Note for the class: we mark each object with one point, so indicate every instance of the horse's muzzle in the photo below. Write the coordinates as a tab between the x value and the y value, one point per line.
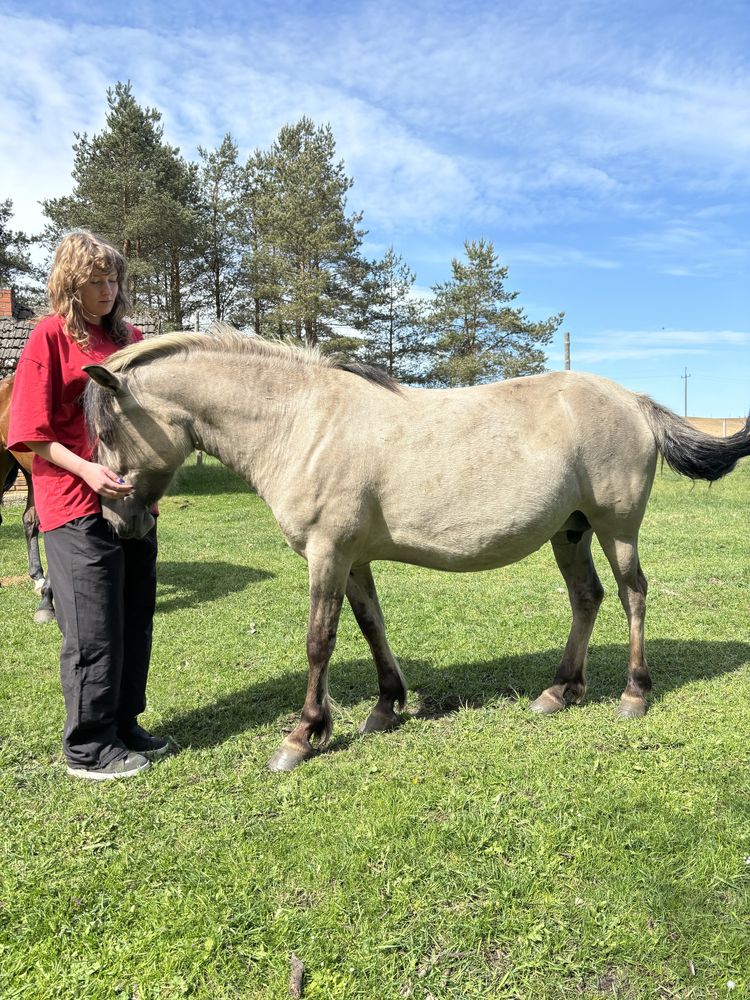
127	520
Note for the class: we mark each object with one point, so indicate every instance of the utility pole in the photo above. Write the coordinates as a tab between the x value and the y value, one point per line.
686	377
567	351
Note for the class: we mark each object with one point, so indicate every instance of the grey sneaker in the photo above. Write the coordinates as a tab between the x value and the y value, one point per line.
126	766
139	740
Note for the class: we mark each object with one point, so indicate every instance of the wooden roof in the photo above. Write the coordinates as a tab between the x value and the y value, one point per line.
14	332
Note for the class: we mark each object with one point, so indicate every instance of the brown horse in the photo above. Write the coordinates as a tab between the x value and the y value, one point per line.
11	463
357	468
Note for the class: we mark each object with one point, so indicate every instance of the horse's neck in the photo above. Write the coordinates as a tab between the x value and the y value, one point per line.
244	417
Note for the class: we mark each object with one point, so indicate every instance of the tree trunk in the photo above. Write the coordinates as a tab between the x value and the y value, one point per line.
175	292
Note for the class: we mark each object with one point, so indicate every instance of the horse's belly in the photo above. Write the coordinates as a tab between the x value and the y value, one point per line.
461	552
482	524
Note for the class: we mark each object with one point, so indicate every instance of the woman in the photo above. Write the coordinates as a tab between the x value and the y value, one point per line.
105	588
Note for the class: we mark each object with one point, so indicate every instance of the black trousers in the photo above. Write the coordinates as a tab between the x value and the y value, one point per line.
105	596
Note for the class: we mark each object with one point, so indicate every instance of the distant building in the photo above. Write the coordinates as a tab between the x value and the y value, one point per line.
17	321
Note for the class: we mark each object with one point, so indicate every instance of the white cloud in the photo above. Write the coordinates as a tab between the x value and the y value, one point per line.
652	345
519	119
58	88
553	256
705	246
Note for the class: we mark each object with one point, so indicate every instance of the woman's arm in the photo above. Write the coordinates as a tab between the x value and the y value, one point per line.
101	479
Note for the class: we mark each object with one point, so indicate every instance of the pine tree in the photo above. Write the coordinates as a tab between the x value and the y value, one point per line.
222	190
309	246
263	264
478	336
392	322
177	268
136	191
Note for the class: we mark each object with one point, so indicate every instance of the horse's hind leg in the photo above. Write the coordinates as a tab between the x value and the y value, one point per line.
622	554
327	585
585	592
363	597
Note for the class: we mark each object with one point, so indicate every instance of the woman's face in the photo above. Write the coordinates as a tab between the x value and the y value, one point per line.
98	294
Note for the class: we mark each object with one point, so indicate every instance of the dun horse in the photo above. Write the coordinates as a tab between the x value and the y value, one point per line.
11	463
357	468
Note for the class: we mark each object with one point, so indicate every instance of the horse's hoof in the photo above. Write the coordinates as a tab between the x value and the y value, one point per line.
44	617
288	757
379	722
631	708
547	704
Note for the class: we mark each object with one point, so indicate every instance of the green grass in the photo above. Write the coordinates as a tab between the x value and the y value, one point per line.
477	851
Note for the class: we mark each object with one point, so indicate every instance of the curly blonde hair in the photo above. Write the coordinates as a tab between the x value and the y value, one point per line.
78	256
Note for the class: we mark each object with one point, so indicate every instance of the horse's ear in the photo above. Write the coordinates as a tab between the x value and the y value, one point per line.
104	377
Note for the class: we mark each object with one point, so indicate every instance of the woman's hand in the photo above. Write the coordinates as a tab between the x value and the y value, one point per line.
104	481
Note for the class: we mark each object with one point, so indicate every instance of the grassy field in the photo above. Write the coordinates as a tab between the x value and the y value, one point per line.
477	851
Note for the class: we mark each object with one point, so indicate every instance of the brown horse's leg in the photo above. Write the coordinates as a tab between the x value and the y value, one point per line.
363	597
45	613
622	554
585	593
327	584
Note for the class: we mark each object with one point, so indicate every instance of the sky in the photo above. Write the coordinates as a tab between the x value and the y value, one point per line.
603	147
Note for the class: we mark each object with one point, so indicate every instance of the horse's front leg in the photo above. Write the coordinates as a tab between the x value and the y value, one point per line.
45	612
31	531
327	586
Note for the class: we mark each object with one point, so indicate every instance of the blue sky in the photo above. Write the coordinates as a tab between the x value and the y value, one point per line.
604	147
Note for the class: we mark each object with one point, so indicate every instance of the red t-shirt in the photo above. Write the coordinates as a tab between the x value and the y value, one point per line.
46	406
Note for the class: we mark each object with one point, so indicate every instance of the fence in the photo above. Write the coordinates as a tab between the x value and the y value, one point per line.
718	426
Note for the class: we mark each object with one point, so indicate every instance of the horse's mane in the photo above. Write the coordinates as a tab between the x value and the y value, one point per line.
224	339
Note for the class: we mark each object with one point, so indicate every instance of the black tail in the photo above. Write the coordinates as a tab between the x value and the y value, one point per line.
688	450
10	477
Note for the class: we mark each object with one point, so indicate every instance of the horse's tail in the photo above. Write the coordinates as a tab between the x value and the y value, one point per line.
688	450
10	477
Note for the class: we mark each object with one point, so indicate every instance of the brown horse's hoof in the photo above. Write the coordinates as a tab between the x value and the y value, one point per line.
631	708
547	704
379	722
288	756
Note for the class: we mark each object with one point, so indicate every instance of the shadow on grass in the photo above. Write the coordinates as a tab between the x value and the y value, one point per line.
192	584
439	691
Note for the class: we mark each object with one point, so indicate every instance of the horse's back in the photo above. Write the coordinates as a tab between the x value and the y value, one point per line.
479	477
545	423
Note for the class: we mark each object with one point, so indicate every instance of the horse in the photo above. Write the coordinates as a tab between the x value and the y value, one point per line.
357	468
11	463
